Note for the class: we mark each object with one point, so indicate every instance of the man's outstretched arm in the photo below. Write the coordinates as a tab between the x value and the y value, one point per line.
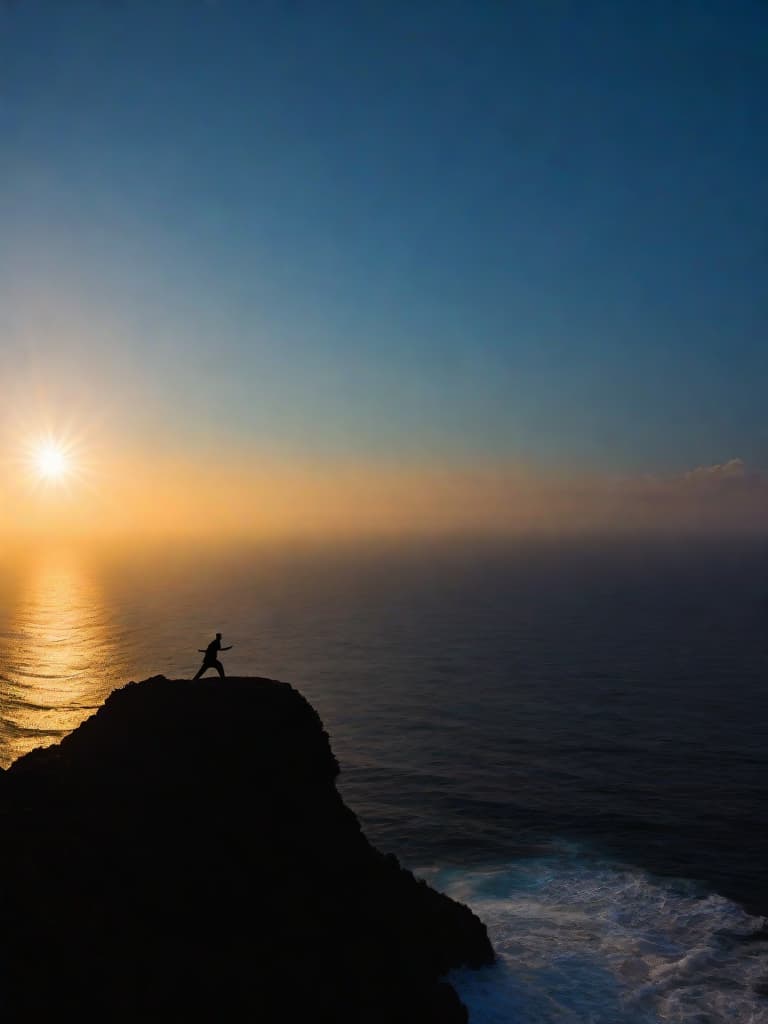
227	648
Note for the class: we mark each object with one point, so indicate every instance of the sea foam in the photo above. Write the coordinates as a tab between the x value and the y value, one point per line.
584	941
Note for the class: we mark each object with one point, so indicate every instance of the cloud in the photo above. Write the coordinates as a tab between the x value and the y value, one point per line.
734	469
721	498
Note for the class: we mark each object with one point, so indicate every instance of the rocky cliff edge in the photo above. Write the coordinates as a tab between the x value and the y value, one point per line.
185	854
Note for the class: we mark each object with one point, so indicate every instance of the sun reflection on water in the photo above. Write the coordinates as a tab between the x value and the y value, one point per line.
54	648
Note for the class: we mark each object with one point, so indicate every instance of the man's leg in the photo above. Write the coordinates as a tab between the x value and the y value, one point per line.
219	668
200	671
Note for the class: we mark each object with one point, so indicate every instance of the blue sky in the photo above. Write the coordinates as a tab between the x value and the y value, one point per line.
527	231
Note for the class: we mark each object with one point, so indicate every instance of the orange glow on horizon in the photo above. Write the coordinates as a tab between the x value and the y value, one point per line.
209	496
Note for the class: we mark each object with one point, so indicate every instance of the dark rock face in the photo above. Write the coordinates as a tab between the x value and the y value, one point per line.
185	854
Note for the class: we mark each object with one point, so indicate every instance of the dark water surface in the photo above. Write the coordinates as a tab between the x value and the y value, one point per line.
571	737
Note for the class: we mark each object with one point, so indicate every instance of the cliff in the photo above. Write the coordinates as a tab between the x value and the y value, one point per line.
185	853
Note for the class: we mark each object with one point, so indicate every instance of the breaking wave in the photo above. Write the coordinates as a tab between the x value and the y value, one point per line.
597	943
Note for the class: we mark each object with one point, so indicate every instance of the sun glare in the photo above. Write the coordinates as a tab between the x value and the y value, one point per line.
51	462
56	461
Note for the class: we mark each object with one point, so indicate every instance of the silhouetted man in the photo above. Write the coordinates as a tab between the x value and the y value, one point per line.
209	656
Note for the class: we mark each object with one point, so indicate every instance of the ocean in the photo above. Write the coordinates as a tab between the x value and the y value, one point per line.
569	736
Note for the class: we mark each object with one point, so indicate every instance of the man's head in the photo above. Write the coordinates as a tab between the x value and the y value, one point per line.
218	636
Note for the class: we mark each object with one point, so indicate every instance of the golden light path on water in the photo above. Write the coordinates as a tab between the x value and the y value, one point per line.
56	645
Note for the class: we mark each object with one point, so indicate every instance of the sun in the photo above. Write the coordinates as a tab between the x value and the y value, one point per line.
51	461
56	460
